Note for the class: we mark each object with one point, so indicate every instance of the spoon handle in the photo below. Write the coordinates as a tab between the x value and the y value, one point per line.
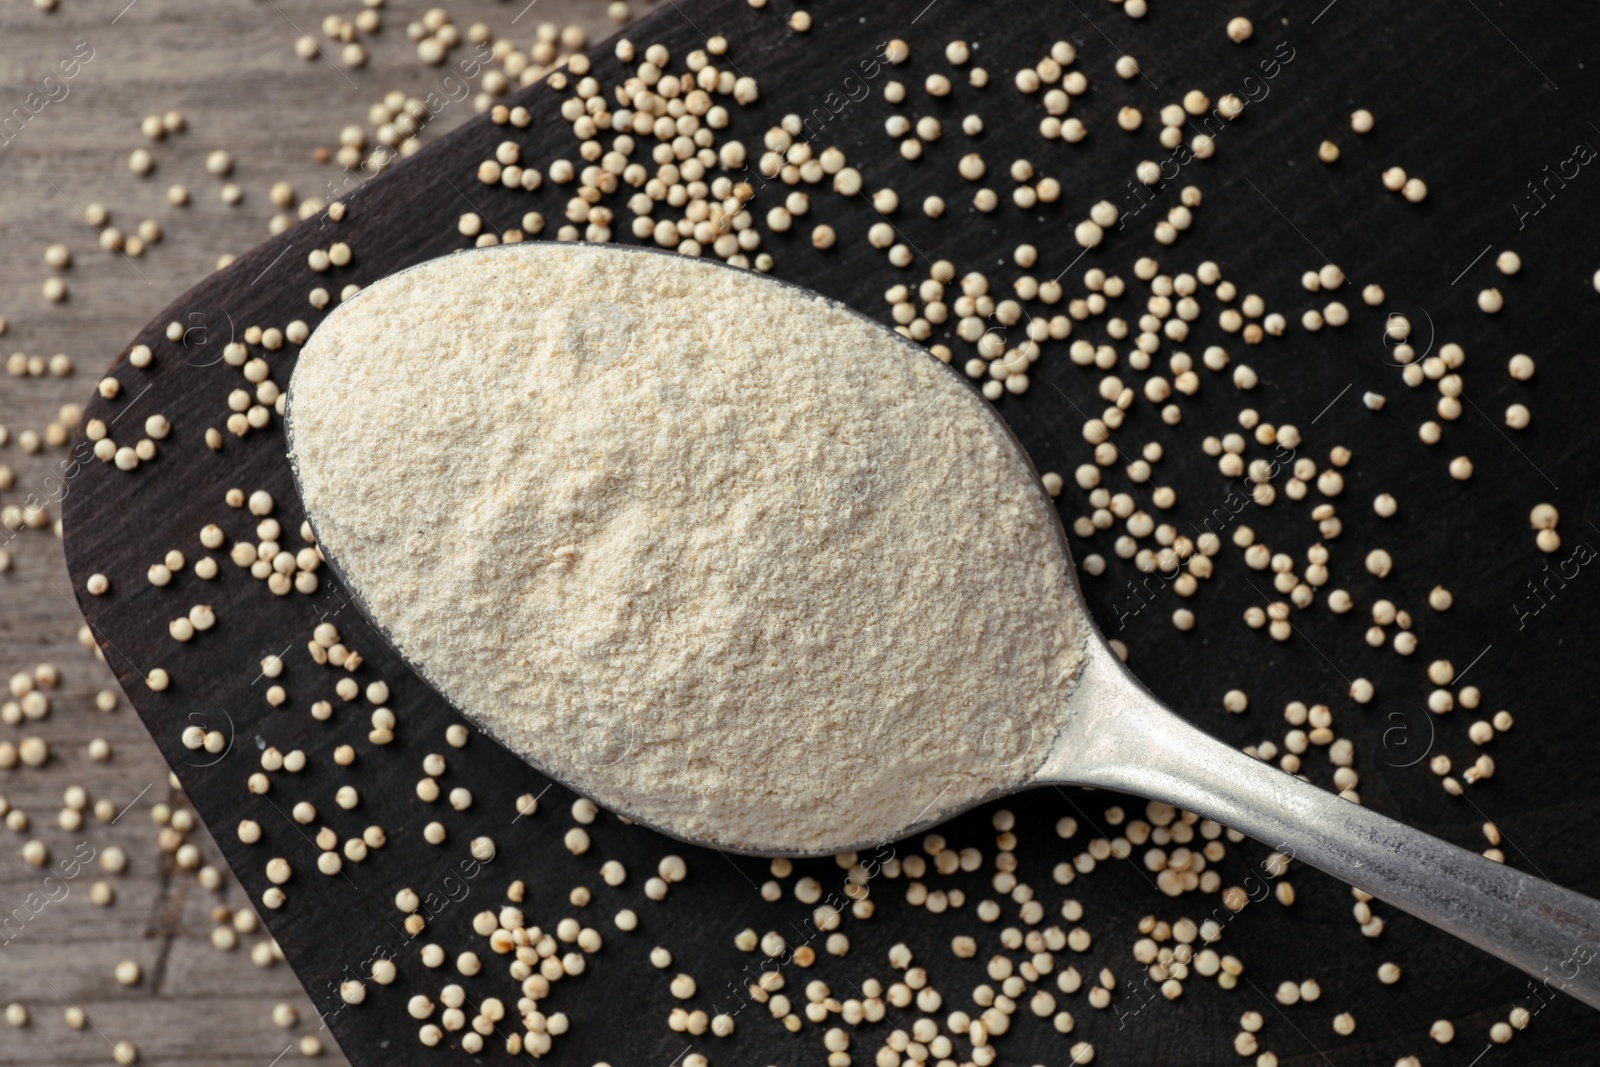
1140	747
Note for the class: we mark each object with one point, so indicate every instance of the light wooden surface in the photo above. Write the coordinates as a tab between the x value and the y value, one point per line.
231	69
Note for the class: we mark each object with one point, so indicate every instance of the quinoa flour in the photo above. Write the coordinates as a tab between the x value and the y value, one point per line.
720	553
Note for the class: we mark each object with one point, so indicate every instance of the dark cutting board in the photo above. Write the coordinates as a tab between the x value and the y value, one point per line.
1464	97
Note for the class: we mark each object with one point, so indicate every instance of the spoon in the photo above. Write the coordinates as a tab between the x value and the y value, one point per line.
1114	734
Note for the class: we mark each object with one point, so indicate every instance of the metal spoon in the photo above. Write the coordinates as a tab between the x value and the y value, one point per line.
1116	735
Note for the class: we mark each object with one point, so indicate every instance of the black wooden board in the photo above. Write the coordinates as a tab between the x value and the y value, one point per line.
1479	99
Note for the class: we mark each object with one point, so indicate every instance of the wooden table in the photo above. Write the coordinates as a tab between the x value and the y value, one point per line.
232	71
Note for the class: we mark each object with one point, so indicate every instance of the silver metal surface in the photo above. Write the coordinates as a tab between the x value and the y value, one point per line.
1119	736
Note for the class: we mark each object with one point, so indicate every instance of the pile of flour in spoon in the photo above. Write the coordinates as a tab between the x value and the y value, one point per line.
718	552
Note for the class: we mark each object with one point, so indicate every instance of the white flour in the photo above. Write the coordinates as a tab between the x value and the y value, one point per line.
721	554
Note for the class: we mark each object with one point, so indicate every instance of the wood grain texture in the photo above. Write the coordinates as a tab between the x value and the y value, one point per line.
1271	211
231	69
